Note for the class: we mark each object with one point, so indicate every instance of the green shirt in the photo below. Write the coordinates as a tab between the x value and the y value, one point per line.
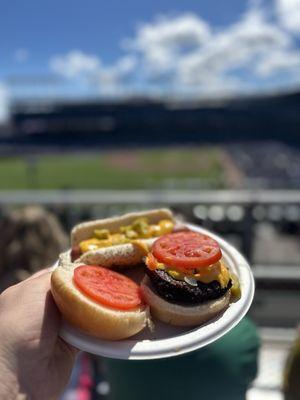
220	371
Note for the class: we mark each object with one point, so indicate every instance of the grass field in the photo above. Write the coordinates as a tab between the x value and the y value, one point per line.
127	169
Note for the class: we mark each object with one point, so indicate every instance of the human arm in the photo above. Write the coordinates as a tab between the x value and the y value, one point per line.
35	363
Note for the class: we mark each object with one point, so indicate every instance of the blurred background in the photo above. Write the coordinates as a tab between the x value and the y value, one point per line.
109	107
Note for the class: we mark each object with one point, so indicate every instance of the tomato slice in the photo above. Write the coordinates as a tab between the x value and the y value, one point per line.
107	287
186	249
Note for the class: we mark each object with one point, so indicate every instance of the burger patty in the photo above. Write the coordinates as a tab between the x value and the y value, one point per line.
180	291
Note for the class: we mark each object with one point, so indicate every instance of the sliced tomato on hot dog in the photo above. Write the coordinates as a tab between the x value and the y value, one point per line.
107	287
186	249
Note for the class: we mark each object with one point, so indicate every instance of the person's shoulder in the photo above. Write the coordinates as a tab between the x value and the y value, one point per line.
245	334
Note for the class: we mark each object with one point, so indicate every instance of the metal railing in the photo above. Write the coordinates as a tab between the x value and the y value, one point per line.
226	211
171	197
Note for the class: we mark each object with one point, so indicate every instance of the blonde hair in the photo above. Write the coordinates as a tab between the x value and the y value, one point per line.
31	238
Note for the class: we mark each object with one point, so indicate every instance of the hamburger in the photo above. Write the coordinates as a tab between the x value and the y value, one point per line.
187	281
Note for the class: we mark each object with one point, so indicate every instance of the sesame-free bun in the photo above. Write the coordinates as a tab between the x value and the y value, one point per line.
122	255
89	316
178	314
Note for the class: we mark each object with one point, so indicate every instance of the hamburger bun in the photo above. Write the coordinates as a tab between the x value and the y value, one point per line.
90	316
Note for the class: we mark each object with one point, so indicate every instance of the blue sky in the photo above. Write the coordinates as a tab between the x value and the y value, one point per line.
160	47
49	27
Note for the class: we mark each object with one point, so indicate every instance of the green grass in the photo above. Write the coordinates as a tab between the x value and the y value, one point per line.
130	169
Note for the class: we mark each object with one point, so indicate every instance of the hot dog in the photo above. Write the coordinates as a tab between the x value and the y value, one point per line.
122	240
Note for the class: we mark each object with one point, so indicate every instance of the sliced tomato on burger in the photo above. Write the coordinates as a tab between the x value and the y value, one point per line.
107	287
186	249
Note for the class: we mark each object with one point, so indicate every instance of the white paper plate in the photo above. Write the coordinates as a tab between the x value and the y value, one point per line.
167	340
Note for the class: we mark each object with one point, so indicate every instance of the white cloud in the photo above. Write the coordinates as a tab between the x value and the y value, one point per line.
289	14
116	72
171	33
78	65
185	55
21	55
75	64
236	47
189	54
111	80
279	61
3	102
164	39
232	48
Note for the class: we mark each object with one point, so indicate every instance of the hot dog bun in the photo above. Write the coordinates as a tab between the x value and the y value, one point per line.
178	314
85	229
123	254
90	316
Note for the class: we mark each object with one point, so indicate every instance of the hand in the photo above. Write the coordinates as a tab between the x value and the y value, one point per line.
35	363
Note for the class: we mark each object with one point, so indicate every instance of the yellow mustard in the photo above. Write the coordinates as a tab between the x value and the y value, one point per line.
236	287
139	229
216	272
